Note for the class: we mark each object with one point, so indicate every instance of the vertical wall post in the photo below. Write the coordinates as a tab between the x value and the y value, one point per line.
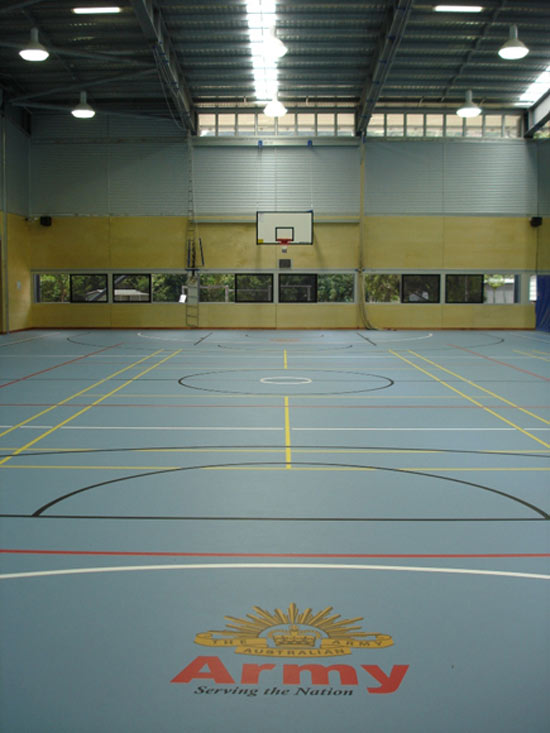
4	321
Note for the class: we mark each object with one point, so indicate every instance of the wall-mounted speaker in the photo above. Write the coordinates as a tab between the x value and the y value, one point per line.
46	221
536	221
284	264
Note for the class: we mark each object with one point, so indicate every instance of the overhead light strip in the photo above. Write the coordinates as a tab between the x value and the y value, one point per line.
266	48
536	90
97	11
458	8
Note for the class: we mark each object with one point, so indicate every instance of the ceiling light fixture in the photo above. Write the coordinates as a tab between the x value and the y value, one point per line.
83	110
458	8
34	50
275	108
513	48
97	11
469	109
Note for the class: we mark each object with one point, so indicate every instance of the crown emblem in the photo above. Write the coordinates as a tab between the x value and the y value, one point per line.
293	633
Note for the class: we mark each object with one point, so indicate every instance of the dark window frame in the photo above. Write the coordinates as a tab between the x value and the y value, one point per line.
88	274
420	300
481	287
286	275
267	276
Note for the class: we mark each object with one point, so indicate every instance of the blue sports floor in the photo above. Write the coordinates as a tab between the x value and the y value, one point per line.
275	531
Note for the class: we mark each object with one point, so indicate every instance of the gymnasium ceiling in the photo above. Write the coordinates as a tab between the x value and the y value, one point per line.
178	57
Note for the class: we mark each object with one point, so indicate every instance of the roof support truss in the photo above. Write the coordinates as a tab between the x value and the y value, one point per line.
538	115
172	77
390	38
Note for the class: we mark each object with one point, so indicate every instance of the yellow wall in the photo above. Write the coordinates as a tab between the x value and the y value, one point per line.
452	242
429	243
19	286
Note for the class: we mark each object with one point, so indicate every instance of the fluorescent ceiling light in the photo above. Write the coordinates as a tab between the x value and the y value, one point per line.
83	110
537	89
265	47
458	8
513	48
97	11
469	109
34	50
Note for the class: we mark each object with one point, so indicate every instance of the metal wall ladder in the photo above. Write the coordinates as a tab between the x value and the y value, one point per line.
194	251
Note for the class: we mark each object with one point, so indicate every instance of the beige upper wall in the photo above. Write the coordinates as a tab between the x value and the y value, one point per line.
453	242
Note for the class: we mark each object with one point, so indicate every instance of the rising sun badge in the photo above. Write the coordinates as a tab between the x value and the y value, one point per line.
293	634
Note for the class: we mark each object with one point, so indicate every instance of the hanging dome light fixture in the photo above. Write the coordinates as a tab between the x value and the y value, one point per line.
83	110
513	48
34	50
469	108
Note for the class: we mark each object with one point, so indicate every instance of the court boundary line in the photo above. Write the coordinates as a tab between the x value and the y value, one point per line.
273	566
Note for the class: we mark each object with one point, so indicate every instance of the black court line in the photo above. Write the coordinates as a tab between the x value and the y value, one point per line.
256	448
182	382
39	512
273	519
202	339
365	338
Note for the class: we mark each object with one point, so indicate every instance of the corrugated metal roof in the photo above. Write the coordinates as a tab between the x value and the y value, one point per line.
357	55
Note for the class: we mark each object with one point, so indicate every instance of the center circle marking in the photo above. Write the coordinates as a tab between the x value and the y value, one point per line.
285	380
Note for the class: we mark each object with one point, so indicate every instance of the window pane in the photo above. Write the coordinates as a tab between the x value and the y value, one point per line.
266	125
464	288
52	288
286	125
499	288
346	123
434	125
336	288
382	288
493	126
306	124
376	126
395	125
253	288
245	124
512	126
207	125
88	288
226	124
474	126
533	289
297	288
325	124
132	288
415	125
420	289
169	288
217	288
454	125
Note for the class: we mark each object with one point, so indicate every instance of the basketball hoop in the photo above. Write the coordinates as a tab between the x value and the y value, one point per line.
283	241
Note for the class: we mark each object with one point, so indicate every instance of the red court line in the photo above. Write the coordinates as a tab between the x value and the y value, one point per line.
497	361
63	363
274	554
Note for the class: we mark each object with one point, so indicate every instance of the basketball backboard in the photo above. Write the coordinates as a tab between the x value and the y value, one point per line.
273	227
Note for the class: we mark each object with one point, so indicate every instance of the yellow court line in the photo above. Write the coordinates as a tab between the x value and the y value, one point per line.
482	389
77	394
467	397
88	407
288	450
285	360
538	351
531	354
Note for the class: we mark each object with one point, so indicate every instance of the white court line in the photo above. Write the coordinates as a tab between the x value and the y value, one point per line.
272	566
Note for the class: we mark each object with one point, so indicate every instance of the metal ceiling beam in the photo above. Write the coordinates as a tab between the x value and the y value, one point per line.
87	84
538	115
155	31
390	38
